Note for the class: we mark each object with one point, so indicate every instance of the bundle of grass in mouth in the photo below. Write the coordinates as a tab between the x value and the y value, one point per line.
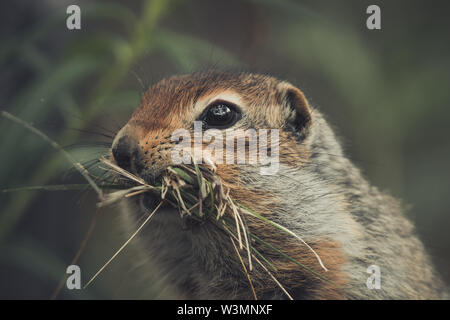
199	194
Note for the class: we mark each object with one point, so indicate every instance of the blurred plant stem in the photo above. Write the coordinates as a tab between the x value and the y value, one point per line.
126	54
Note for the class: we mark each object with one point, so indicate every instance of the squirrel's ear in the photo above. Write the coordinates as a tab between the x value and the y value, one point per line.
296	108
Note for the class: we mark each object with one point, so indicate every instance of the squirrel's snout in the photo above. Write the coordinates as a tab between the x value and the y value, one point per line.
123	151
137	158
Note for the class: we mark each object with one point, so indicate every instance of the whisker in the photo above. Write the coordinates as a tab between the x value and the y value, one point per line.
56	146
91	144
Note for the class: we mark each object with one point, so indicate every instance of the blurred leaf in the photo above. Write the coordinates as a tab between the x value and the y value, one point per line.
123	101
36	102
112	11
291	7
37	260
190	52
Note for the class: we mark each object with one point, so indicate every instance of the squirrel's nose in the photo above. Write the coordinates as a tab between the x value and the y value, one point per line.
123	152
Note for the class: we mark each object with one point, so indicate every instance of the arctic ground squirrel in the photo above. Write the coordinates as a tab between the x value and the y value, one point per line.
317	193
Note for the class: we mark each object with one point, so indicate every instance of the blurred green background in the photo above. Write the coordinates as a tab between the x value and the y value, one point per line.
386	92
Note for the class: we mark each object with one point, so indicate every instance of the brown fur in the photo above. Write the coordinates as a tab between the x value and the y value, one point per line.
331	192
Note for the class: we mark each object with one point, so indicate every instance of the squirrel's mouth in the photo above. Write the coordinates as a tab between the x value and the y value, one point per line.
148	203
193	192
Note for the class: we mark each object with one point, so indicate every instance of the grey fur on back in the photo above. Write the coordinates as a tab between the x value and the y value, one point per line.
386	238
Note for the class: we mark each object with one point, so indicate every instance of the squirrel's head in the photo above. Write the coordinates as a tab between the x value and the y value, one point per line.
220	103
243	104
307	185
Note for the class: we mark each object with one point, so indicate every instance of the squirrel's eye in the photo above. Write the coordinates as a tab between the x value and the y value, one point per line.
220	115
